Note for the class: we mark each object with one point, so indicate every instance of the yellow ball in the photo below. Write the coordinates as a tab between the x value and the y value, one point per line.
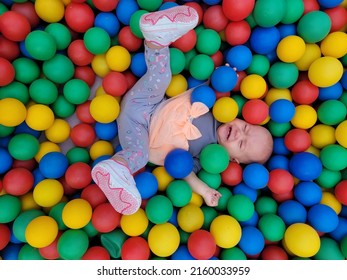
48	192
196	199
330	200
163	178
322	135
39	117
253	86
100	66
313	150
134	224
334	44
77	213
325	71
305	117
226	231
312	52
13	112
104	108
277	93
118	58
163	239
46	147
177	85
50	10
190	218
302	240
101	148
291	48
341	134
41	231
28	202
59	132
225	109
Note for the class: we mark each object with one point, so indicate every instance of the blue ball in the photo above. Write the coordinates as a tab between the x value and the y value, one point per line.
332	92
53	165
287	30
192	82
291	212
343	80
138	64
329	3
125	10
242	188
264	40
11	251
322	218
308	193
224	79
38	177
252	241
173	218
239	57
279	148
282	111
253	221
24	128
278	161
182	253
179	163
341	230
108	22
255	176
147	184
204	94
167	5
305	166
6	161
106	131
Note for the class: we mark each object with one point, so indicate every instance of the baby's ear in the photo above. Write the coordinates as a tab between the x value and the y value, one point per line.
235	160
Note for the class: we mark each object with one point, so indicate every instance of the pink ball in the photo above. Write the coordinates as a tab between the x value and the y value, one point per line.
280	181
201	244
255	111
135	248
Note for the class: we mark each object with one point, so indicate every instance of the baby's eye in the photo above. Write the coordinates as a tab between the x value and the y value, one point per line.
245	127
241	144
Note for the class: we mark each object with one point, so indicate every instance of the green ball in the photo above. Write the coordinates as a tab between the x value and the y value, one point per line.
59	69
234	253
260	65
184	236
208	42
63	108
43	91
283	75
210	214
72	244
78	154
6	130
329	250
135	23
268	13
201	66
26	70
90	230
272	227
278	129
324	112
343	98
60	33
343	246
314	26
149	5
328	178
21	222
40	45
3	8
223	201
188	57
293	11
240	100
212	180
10	208
76	91
56	213
240	207
265	205
15	90
334	157
97	40
159	209
177	61
214	158
113	242
179	192
23	146
344	60
28	252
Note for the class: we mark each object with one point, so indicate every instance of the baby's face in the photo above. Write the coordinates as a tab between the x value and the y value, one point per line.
245	142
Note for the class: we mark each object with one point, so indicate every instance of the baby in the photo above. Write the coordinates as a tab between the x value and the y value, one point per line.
150	125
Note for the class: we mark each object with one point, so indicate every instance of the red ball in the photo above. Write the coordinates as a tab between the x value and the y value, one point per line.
237	32
8	49
27	9
240	76
82	135
217	58
304	92
273	252
94	195
131	78
237	10
186	42
115	83
135	248
105	218
297	140
105	5
214	18
341	192
14	26
128	40
79	17
96	253
85	73
50	252
78	175
232	175
338	17
255	111
83	113
18	181
29	164
5	236
7	72
68	190
1	186
79	54
201	244
197	8
280	181
310	6
283	197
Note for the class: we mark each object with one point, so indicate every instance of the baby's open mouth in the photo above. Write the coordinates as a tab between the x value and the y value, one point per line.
229	132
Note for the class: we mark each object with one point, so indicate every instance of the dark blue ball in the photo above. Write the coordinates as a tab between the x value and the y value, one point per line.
282	111
252	241
291	212
6	161
305	166
106	131
308	193
179	163
138	64
204	94
108	22
224	79
147	184
322	218
264	40
53	165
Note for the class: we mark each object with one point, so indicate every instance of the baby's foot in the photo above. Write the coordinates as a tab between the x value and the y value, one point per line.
211	197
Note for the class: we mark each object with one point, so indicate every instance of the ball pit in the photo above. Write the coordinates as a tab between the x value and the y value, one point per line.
65	65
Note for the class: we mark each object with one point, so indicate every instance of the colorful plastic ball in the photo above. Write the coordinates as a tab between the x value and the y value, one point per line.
291	48
6	161
101	148
226	231
9	105
5	236
96	253
138	65
340	192
179	193
240	207
14	26
214	158
105	6
305	166
326	107
297	140
96	40
214	18
212	180
308	193
58	69
163	239
283	75
159	209
134	224
53	165
301	240
225	109
239	57
76	91
253	86
232	175
255	175
73	244
40	45
41	231
179	163
305	117
340	133
275	11
223	79
204	94
77	213
236	11
105	218
115	83
201	244
255	111
264	40
23	146
337	16
78	175
43	91
319	72
333	157
60	33
39	117
9	49
147	184
12	208
50	11
18	181
104	108
178	84
237	32
190	217
201	66
281	111
59	132
82	135
107	21
334	44
322	218
280	181
292	211
332	92
78	53
163	178
134	22
26	70
86	74
135	248
182	252
128	40
118	58
177	61
252	241
48	192
304	92
272	227
208	42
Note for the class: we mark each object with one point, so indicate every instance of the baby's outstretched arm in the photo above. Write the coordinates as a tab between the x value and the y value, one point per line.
210	196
